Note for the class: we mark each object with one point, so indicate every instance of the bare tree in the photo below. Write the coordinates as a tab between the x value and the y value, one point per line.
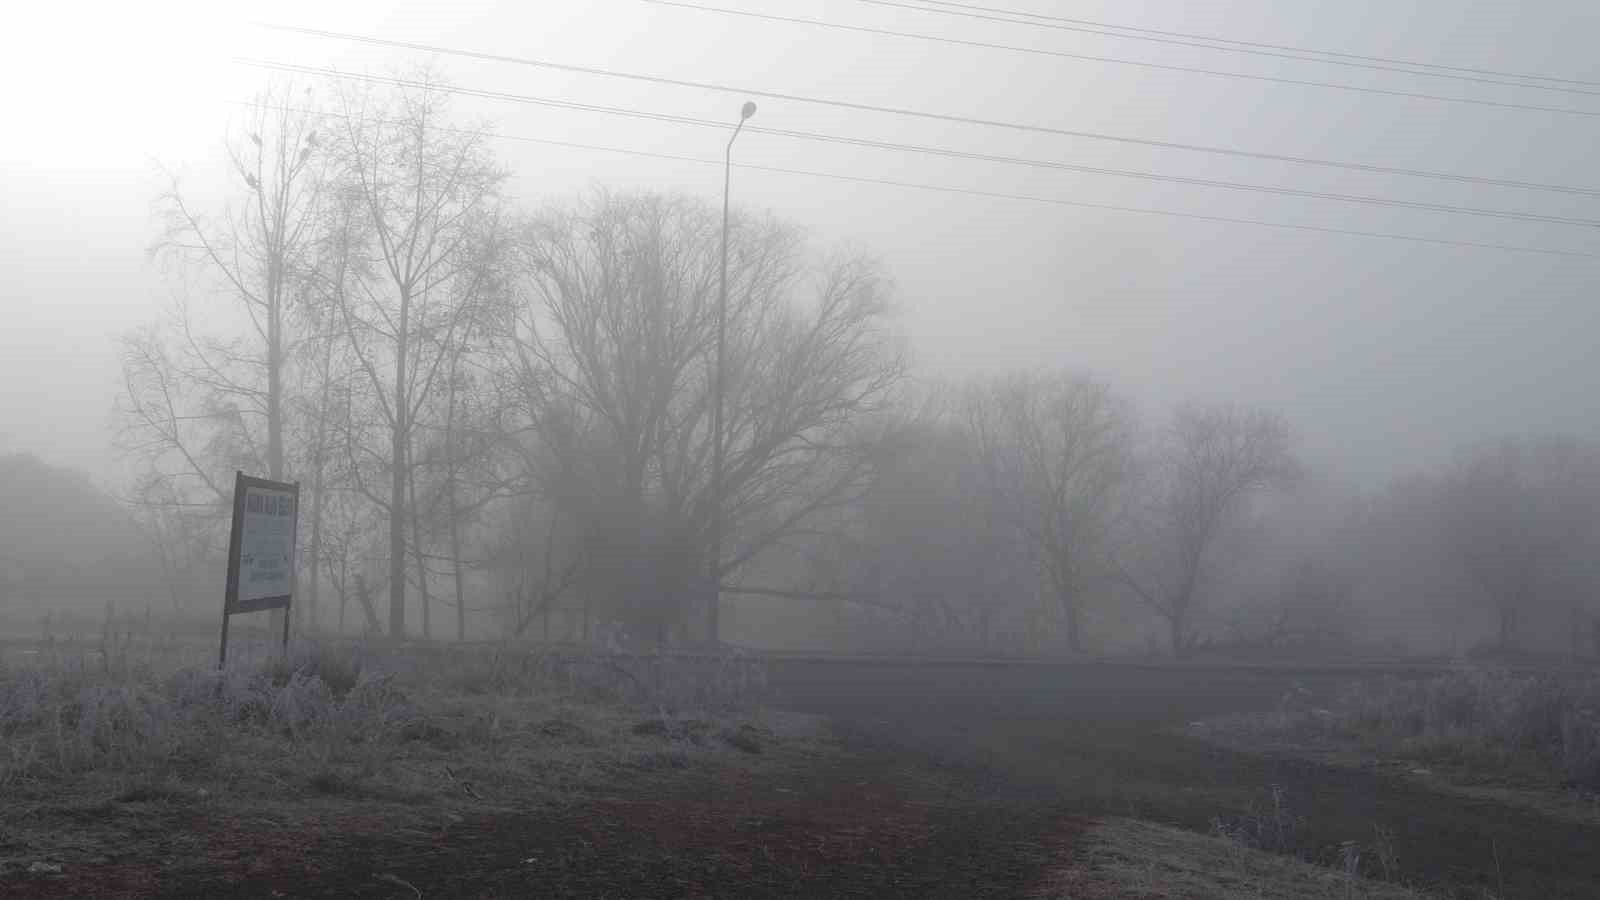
1056	452
611	359
208	390
428	195
255	255
1208	465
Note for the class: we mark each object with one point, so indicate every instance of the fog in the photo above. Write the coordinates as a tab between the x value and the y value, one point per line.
1381	358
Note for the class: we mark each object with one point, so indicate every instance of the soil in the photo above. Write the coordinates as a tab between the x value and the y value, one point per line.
950	781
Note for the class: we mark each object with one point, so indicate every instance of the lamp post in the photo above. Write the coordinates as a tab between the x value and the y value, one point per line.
717	391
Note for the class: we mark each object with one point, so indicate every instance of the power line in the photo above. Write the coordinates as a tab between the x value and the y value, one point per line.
1335	53
941	151
1039	20
1028	198
1062	54
932	116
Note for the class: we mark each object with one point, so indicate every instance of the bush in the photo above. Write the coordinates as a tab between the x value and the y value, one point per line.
339	669
1482	717
68	719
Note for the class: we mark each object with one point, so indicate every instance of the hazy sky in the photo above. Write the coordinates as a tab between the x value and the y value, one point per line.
1384	354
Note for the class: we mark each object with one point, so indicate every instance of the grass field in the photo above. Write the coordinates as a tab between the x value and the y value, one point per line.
100	737
134	767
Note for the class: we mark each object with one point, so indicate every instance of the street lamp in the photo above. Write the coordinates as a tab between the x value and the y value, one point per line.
745	112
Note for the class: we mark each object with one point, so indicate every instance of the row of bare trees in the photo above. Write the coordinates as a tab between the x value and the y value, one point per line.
1036	512
370	316
507	413
1014	507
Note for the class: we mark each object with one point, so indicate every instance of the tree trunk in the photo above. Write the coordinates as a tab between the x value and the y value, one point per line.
1071	613
417	556
318	483
452	461
455	563
1067	599
374	626
1179	624
314	592
399	441
275	390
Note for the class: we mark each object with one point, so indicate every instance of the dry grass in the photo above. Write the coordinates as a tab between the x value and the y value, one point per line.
1480	723
1130	858
85	738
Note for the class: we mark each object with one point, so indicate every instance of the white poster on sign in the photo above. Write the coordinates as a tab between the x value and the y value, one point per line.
266	544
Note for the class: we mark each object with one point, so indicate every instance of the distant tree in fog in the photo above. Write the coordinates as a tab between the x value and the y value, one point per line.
611	358
1056	452
1206	467
1520	515
930	544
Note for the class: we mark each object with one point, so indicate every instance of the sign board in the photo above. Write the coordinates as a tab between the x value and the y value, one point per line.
260	550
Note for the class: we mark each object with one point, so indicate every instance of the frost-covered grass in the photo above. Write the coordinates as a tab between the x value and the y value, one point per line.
485	724
1129	858
1484	721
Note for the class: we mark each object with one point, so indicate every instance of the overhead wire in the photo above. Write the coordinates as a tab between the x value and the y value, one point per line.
1029	198
942	151
1040	20
1063	54
1262	44
931	116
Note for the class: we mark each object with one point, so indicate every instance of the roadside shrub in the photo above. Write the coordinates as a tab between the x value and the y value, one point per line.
302	705
339	668
64	719
115	724
1485	717
24	699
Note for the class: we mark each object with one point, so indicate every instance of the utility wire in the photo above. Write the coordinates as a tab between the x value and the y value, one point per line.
1220	40
857	179
932	116
941	151
1127	62
1039	20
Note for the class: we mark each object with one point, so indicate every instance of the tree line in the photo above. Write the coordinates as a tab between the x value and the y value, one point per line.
497	413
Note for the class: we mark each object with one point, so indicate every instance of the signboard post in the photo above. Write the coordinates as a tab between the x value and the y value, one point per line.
260	551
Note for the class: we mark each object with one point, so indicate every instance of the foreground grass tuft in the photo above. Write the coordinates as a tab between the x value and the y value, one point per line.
1129	858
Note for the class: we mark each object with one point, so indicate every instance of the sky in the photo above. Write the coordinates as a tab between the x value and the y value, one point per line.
1385	355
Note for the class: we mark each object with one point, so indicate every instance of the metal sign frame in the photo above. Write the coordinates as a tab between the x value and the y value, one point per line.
231	604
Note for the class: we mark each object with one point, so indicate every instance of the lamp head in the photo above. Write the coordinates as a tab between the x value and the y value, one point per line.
748	110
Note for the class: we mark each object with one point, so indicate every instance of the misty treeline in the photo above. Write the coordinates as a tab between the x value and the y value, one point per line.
500	418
